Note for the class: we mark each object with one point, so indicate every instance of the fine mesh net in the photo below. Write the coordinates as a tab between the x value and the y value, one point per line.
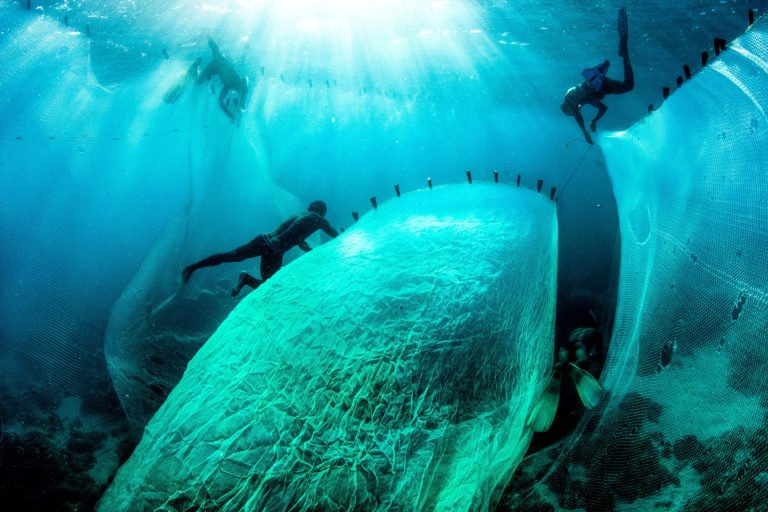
685	426
156	325
390	369
52	383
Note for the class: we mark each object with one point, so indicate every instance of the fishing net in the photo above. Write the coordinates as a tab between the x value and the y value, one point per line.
156	325
685	427
391	368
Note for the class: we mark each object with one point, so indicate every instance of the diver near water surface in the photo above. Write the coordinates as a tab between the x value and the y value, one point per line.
231	81
270	246
234	88
597	85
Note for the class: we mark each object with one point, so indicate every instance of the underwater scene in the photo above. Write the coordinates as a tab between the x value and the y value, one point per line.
369	255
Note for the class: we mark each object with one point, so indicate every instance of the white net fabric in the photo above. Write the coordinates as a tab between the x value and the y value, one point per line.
390	369
157	325
685	427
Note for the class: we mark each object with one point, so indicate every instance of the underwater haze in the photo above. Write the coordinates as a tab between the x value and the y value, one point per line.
118	169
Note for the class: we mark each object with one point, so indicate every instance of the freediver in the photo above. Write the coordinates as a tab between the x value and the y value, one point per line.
585	346
581	358
597	85
270	246
231	81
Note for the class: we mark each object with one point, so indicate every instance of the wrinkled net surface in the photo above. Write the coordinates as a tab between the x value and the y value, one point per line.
390	369
685	427
156	326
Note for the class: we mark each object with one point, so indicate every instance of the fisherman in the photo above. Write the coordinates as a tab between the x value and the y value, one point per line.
597	85
270	246
580	358
585	345
234	88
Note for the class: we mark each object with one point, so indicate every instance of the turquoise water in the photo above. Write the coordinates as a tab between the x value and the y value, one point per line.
345	102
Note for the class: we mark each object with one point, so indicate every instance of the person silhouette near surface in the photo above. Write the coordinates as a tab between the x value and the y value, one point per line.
234	88
597	85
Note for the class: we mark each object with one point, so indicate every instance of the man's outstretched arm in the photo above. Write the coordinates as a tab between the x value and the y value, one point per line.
602	108
326	226
580	121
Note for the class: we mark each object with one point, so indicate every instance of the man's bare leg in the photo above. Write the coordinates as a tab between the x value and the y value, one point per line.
245	279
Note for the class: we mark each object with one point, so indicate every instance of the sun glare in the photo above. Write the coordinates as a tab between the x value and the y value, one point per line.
327	16
360	45
362	13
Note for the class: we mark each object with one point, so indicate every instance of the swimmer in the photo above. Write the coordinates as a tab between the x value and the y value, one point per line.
270	247
234	89
597	85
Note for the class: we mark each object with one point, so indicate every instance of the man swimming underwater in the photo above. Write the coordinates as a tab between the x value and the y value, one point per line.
234	90
231	81
596	85
270	246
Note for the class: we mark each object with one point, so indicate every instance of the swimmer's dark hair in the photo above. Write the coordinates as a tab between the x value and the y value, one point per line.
318	207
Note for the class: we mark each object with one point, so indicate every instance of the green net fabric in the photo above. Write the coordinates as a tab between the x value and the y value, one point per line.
392	368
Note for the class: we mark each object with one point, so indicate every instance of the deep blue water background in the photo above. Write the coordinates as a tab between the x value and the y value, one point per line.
92	169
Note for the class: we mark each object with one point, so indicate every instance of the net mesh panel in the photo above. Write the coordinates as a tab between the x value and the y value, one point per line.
157	325
51	320
147	345
685	426
390	369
